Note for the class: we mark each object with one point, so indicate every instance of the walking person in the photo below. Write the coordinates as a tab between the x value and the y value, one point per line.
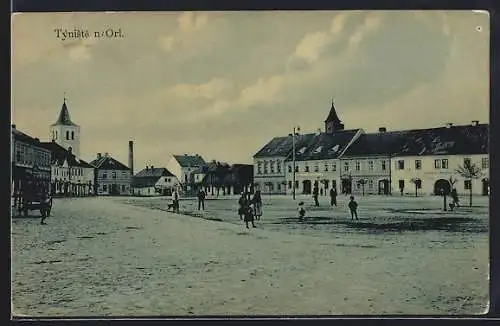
315	195
454	197
175	201
242	202
249	214
201	199
301	211
333	197
353	207
257	204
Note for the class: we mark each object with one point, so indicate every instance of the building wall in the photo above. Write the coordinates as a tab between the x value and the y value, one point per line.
107	178
269	175
59	133
145	191
174	167
375	171
430	172
309	172
169	182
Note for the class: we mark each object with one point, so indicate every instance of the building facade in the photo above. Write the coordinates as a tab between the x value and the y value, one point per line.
112	177
182	166
153	181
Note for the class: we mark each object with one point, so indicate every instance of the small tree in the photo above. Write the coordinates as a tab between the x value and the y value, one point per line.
470	171
418	184
362	182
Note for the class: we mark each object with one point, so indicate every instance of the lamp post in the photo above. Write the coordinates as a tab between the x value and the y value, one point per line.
296	129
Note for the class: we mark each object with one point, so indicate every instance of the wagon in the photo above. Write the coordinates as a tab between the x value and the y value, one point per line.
36	201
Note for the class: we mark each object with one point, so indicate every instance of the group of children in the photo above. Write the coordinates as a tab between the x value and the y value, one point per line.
353	208
250	210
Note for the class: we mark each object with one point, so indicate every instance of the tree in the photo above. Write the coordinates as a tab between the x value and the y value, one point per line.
418	184
470	171
362	182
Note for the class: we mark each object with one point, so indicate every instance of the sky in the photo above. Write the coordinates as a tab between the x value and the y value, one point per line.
222	84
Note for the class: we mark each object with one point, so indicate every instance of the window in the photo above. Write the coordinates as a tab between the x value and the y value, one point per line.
358	165
346	166
316	168
278	186
383	165
401	185
437	164
296	184
271	165
123	188
444	163
466	161
467	184
289	169
400	164
326	184
418	164
168	179
334	184
104	175
72	135
358	185
484	163
326	167
289	184
370	184
306	168
370	165
296	168
114	174
265	167
278	166
259	168
104	188
334	167
67	134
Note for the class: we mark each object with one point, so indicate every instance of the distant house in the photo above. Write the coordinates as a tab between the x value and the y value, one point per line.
153	181
433	156
112	177
71	176
182	166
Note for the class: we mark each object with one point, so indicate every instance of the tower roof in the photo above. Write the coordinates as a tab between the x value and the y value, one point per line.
332	116
64	118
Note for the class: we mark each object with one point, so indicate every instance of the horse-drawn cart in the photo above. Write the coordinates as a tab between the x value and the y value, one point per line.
33	196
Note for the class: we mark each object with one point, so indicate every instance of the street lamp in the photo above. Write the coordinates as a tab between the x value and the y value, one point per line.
296	129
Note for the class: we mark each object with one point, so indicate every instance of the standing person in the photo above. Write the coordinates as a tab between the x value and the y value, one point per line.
242	202
333	197
315	195
301	211
257	204
201	199
353	207
45	201
248	214
454	197
175	201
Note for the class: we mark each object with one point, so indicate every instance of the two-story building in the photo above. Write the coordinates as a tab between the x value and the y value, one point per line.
112	177
434	155
153	181
182	166
71	176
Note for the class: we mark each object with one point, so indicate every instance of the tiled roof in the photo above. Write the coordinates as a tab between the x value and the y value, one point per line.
382	143
64	118
190	160
108	163
59	154
21	136
465	139
309	146
149	177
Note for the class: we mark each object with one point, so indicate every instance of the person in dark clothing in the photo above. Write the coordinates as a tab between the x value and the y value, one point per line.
333	197
454	197
257	204
315	195
302	211
353	207
201	199
249	214
242	202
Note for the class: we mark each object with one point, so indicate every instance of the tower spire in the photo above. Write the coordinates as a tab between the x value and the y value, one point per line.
332	122
64	98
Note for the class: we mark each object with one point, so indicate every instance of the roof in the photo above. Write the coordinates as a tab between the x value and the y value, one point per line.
64	118
149	177
59	154
189	160
107	162
21	136
315	146
332	116
454	140
382	143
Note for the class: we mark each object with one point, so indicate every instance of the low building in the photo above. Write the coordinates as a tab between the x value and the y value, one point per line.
433	156
153	181
112	177
71	176
182	166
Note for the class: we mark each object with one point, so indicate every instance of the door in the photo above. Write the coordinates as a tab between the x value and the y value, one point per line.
306	187
486	187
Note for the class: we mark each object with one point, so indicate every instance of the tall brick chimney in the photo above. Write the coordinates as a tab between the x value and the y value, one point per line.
131	156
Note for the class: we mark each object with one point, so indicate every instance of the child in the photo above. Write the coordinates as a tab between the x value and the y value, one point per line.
302	211
353	206
248	215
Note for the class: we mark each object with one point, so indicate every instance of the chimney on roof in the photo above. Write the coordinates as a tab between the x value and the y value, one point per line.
106	154
131	156
13	126
382	129
185	155
37	140
475	122
147	168
99	155
448	124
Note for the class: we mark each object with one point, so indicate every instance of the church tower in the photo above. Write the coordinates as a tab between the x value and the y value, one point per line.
332	122
66	133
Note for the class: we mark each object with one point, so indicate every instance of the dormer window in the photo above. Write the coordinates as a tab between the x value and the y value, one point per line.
335	148
318	150
302	150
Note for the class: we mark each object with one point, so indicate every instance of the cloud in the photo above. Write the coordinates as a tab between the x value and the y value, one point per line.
209	90
188	23
80	50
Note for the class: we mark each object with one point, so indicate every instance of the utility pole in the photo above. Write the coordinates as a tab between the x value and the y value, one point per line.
295	130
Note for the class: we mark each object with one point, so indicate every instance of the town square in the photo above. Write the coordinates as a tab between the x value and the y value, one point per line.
168	186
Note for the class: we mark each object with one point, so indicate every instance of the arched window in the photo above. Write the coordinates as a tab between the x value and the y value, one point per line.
56	134
72	135
67	134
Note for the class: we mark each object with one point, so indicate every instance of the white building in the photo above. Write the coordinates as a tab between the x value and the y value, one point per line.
112	177
66	133
70	175
434	155
269	170
183	165
153	181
